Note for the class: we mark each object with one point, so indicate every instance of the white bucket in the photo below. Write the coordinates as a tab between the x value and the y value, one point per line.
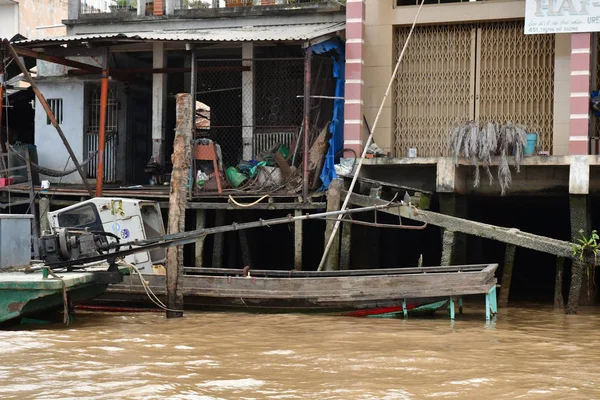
45	185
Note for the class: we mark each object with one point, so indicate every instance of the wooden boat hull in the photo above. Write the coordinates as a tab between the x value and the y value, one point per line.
366	293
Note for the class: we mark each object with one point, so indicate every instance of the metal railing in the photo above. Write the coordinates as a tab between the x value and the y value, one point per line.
155	8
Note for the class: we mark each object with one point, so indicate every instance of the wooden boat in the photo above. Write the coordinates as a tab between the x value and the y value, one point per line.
370	293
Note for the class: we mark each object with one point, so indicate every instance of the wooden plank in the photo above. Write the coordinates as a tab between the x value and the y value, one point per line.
507	270
501	234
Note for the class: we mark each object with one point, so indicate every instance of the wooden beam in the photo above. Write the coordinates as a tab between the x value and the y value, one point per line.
57	60
333	204
501	234
199	246
50	114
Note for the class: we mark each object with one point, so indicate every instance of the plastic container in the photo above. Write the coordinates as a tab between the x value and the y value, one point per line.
529	150
15	240
235	177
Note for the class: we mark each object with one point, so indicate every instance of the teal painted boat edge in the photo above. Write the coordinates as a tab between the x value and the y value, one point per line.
420	310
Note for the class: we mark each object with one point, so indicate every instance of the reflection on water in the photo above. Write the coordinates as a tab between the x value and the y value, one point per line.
530	353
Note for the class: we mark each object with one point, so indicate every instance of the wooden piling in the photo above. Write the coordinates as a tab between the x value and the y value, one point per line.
346	246
559	302
177	201
219	241
333	204
298	241
507	270
448	244
245	246
199	246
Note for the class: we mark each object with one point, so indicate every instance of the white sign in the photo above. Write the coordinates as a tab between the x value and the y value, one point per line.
562	16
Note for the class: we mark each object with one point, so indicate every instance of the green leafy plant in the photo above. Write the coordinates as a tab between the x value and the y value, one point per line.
587	246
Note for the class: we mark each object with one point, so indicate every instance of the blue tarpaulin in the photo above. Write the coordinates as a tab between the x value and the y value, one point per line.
335	48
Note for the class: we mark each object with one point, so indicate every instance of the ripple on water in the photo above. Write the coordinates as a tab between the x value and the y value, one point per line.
228	384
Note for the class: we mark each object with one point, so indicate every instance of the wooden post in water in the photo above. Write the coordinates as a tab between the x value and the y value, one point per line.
346	245
199	246
219	241
507	270
298	242
333	204
559	302
177	201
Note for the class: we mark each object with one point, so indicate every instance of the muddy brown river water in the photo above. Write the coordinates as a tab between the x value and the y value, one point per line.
531	352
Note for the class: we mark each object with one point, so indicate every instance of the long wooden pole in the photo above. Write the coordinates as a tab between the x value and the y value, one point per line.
369	140
177	201
307	79
180	239
50	114
102	130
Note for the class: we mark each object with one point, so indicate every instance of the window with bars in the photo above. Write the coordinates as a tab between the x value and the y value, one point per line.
56	105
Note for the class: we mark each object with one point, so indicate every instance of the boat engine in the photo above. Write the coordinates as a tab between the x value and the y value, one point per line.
69	244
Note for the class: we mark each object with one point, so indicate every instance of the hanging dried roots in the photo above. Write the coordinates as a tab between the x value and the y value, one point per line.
480	142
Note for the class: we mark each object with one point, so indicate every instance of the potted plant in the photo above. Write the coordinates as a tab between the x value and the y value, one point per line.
120	6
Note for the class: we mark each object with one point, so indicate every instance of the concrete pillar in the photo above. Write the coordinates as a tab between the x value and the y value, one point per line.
74	8
159	102
456	205
44	205
171	6
448	245
298	242
579	119
354	87
583	290
141	8
247	100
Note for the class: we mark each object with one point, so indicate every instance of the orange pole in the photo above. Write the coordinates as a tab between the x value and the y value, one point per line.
102	131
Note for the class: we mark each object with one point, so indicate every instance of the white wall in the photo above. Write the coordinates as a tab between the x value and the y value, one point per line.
51	150
9	20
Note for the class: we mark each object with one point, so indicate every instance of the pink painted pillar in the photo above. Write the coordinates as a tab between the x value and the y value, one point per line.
579	122
354	87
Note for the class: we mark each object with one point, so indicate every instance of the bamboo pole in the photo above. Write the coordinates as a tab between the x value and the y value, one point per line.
369	140
50	114
307	79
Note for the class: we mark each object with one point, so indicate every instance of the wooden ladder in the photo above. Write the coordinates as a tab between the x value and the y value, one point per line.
8	188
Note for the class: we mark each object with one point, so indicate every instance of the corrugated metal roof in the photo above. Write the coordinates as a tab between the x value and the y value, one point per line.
275	33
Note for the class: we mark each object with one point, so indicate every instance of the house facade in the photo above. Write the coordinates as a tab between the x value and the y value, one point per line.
32	18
